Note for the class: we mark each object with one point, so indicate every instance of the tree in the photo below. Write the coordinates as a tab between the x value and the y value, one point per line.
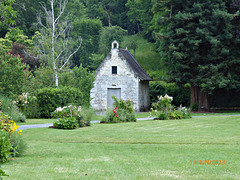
7	12
140	13
55	37
108	35
198	44
26	12
131	43
89	30
13	75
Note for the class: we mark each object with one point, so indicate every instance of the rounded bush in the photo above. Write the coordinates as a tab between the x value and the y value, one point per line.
66	123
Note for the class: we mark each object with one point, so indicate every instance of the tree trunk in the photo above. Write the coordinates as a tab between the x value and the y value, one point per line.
55	74
204	103
194	94
201	98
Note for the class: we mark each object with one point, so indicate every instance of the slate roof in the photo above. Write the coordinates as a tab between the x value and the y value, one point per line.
135	65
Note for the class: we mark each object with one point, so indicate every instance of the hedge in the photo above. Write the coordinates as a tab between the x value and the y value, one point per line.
51	98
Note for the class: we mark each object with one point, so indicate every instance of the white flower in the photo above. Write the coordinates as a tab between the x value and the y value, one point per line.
58	109
160	97
168	97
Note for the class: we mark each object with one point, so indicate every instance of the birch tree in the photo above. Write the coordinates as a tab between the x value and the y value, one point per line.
54	38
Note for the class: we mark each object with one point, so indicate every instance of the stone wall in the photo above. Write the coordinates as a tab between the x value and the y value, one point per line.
125	79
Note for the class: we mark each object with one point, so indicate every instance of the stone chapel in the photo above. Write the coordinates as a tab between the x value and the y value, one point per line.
121	75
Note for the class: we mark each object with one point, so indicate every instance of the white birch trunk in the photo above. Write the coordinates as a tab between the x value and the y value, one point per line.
52	25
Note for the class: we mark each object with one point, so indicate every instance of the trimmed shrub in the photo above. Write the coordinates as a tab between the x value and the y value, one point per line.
51	98
66	123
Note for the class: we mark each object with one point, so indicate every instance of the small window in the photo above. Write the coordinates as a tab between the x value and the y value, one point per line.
114	69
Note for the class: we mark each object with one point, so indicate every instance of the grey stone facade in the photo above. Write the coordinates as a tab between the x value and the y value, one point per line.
120	75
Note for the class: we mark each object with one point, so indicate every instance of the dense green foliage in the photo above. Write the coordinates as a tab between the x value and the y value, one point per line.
51	98
27	104
10	109
181	94
164	110
196	43
66	123
7	12
11	141
123	112
200	46
5	147
13	74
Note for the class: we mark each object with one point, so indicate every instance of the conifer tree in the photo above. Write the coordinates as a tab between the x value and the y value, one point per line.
199	49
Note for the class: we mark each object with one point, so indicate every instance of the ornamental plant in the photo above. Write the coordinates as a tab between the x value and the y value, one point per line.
163	109
7	124
67	111
66	123
10	139
81	115
123	112
27	104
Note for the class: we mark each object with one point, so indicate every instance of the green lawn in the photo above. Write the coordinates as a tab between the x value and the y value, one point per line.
138	115
141	150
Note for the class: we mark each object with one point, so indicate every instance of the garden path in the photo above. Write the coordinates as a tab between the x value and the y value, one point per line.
50	124
97	121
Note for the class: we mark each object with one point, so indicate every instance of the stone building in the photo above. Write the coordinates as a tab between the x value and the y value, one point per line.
120	75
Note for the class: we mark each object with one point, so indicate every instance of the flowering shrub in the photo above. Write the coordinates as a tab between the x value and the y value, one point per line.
123	112
163	104
121	104
67	111
163	109
82	116
28	105
7	124
66	123
9	146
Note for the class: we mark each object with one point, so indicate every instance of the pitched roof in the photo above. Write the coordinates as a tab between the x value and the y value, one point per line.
135	65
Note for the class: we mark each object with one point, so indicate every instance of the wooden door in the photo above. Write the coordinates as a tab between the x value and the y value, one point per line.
112	91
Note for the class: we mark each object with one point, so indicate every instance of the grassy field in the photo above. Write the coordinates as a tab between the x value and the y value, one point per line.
141	150
138	115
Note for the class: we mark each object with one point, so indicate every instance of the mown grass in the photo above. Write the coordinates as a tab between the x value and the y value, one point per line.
138	115
141	150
